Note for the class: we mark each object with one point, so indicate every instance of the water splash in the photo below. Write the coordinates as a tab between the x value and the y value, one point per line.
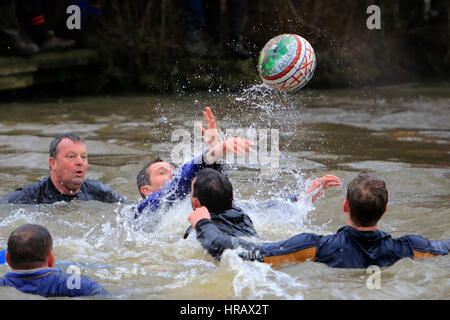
254	280
261	97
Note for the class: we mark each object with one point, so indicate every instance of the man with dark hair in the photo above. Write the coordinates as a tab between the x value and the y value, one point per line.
143	178
159	183
31	258
359	244
68	164
214	191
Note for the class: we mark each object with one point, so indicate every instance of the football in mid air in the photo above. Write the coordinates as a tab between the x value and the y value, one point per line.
287	62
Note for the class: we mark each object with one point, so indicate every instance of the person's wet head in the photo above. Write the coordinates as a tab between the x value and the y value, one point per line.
153	176
213	190
30	247
367	199
68	163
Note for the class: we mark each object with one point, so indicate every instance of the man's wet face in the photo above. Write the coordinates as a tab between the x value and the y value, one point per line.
159	173
70	165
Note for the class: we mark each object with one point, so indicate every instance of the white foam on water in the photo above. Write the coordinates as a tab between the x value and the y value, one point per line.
255	280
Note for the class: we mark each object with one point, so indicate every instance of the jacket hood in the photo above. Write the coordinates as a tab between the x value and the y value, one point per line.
368	241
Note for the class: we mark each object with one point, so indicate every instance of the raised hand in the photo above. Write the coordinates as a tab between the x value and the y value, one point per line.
197	215
232	144
211	134
319	185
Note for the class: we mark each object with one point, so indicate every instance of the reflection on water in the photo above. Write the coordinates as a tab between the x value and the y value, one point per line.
401	134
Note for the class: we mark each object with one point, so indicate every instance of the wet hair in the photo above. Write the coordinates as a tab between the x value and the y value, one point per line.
29	247
143	178
367	198
54	144
213	190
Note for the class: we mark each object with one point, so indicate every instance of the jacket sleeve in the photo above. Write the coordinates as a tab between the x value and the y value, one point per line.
178	188
212	239
296	249
104	193
112	196
424	248
17	196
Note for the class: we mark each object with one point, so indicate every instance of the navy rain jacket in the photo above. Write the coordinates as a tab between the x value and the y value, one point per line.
51	282
348	248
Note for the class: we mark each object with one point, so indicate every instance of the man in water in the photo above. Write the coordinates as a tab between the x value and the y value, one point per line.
31	258
359	244
214	191
68	164
159	183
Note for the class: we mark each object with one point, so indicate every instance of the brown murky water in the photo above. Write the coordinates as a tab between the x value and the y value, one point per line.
402	134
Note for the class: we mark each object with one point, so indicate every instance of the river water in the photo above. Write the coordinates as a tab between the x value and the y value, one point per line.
400	133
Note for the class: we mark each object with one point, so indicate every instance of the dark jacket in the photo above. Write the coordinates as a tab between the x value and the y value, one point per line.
45	192
348	248
51	282
234	222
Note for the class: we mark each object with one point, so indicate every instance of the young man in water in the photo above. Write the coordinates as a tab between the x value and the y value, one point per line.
68	164
213	190
359	244
31	258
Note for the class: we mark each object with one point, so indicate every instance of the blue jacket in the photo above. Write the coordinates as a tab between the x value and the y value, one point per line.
176	189
51	282
348	248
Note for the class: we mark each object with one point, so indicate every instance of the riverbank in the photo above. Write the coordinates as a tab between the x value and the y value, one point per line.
85	72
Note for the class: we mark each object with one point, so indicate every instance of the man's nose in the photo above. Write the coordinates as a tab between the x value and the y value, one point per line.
79	160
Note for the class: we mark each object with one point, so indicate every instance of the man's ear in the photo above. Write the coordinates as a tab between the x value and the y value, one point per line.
345	206
7	258
196	203
51	259
145	190
52	162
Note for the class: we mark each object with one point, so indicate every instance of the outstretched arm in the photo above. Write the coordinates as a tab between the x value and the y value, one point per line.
298	248
319	185
425	248
180	186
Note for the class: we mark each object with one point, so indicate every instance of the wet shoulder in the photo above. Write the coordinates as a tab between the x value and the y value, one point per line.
30	193
96	190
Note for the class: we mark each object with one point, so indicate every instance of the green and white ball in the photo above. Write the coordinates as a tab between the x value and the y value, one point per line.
287	62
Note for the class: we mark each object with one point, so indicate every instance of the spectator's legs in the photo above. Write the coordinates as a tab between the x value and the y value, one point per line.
30	16
213	19
236	12
195	43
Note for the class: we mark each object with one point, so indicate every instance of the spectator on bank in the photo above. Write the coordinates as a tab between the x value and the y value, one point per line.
236	11
206	16
32	33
